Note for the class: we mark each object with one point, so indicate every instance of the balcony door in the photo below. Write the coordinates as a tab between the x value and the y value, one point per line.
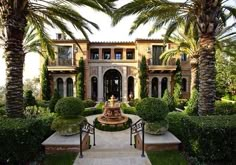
156	52
65	55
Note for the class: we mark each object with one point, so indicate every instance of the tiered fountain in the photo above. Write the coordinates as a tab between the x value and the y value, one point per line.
112	114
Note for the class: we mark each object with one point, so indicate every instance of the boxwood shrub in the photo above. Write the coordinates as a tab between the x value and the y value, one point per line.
69	107
152	109
208	138
20	139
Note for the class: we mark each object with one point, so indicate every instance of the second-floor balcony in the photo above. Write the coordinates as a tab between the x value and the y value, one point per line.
158	65
62	64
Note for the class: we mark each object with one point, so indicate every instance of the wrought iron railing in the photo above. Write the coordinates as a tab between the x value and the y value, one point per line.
136	128
87	128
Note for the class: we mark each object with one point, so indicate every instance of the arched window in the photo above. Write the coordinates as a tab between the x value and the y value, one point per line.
155	87
184	85
130	88
60	87
69	87
94	88
163	85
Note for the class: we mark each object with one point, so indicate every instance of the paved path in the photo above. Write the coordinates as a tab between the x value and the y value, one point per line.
112	148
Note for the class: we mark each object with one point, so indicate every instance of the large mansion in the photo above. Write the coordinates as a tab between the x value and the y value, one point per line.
112	68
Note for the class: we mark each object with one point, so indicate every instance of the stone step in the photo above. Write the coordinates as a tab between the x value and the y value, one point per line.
112	157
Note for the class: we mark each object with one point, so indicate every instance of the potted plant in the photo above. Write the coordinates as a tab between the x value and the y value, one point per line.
69	119
153	111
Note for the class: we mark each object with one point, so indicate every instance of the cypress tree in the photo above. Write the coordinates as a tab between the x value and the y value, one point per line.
143	78
80	80
45	83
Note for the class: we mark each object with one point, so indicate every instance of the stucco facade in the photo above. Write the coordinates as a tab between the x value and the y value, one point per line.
113	68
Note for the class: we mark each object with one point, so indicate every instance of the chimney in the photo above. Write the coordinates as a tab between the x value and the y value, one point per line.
59	36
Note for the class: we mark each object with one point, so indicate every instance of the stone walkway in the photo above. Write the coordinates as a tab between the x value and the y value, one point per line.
112	148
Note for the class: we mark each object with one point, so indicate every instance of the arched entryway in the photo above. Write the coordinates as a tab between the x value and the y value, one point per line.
112	84
155	87
94	88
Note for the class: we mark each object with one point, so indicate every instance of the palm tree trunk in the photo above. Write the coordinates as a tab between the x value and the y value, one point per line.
207	74
14	24
207	23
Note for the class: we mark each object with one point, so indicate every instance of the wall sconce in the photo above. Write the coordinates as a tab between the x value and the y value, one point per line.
75	49
148	49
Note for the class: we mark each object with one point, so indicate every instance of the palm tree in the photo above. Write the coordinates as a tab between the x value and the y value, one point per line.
14	17
203	14
185	44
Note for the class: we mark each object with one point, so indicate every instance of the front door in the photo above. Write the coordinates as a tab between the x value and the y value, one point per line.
112	84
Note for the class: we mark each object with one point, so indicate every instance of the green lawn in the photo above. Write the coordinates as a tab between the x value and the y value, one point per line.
60	159
166	158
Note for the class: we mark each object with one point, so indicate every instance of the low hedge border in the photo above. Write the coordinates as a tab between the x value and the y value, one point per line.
91	111
209	138
20	139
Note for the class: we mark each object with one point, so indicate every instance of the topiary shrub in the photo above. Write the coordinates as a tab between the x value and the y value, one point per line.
29	99
154	112
69	107
69	110
89	103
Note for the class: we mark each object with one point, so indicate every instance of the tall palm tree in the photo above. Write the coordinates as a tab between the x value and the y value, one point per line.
14	15
204	14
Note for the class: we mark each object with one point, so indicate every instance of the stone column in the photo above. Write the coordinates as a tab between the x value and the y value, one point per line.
159	87
100	84
64	86
124	54
100	55
169	84
136	87
124	84
112	53
150	87
74	85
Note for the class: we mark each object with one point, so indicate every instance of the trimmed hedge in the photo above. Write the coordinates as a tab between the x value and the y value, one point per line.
91	111
224	108
20	139
133	102
209	138
129	110
89	103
